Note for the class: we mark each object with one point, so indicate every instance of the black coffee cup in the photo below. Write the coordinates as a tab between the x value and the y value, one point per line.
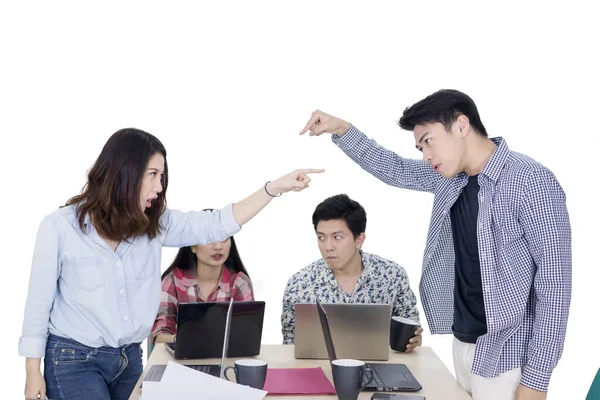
350	377
401	331
251	373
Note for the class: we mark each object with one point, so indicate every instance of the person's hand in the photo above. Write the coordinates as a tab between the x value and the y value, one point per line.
297	181
35	386
525	393
321	122
415	341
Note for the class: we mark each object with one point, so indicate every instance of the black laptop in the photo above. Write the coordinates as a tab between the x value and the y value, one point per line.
386	377
201	328
157	371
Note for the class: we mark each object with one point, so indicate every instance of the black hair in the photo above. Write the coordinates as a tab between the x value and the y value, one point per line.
443	106
342	207
186	260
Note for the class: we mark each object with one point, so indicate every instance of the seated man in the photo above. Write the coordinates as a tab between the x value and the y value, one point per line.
346	274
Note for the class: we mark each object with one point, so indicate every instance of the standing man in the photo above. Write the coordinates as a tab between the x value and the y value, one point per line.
497	262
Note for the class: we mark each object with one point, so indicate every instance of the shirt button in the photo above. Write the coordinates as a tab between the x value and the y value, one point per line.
118	264
126	318
121	291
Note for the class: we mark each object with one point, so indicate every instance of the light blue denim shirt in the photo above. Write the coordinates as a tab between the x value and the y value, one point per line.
81	289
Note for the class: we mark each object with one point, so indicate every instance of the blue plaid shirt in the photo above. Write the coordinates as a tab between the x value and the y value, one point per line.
524	240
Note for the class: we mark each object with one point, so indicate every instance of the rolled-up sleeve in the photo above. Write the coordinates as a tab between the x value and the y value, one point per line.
45	270
182	229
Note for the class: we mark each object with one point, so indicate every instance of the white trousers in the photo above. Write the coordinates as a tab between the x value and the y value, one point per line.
501	387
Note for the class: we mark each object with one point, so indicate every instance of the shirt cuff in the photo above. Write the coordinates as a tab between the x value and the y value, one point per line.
348	139
228	221
31	347
534	379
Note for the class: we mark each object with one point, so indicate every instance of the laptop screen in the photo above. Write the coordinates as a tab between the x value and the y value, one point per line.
326	332
201	329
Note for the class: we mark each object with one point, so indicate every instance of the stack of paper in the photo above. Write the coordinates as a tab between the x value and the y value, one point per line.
181	382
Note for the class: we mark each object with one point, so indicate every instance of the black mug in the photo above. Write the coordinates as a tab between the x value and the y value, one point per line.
251	373
401	331
348	377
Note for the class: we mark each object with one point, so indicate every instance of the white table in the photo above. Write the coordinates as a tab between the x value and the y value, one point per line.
437	381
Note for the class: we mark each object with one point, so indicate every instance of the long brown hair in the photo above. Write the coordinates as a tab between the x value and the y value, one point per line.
111	196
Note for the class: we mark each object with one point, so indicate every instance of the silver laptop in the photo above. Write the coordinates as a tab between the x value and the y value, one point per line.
360	331
157	371
386	377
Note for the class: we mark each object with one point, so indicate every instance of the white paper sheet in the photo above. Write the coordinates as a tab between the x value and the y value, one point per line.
181	382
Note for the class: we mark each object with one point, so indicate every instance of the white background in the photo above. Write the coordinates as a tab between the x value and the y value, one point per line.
227	88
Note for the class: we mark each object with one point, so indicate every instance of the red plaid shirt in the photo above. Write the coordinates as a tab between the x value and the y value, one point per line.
182	287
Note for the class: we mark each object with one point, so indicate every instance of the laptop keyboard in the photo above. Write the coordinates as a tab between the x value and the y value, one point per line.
207	369
156	372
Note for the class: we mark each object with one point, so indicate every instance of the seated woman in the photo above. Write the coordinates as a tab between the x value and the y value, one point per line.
200	273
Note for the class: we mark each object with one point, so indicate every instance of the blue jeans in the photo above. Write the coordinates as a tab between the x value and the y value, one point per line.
75	371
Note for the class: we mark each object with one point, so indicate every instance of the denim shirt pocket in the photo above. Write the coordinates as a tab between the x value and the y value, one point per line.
143	262
87	273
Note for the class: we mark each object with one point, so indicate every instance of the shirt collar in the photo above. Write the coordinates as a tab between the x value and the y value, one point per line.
188	278
86	219
496	163
366	269
87	222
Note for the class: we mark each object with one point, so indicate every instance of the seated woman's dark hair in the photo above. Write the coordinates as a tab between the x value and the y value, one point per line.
186	259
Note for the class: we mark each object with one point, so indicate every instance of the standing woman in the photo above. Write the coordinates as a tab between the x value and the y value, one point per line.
94	289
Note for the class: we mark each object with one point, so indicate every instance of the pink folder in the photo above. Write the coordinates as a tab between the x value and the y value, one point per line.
297	381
